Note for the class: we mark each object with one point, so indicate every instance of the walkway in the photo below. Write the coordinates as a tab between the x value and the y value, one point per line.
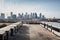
34	32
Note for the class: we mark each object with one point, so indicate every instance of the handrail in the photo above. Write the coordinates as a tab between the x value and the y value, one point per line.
53	28
50	25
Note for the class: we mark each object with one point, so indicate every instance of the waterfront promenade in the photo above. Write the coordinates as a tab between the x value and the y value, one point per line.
34	32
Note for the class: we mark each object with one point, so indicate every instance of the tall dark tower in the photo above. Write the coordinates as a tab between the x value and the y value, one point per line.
19	14
35	15
11	13
40	15
43	17
2	15
26	13
22	14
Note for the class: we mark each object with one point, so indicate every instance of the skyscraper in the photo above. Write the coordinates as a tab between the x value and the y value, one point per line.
11	13
2	16
22	15
26	16
43	17
19	16
31	15
14	16
40	16
35	15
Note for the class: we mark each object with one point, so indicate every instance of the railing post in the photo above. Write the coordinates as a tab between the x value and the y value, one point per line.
47	26
1	37
12	31
44	25
15	30
7	35
18	27
51	28
59	30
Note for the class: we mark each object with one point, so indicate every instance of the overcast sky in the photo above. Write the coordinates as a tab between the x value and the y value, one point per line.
50	8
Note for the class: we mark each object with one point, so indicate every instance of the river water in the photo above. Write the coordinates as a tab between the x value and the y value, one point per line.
54	24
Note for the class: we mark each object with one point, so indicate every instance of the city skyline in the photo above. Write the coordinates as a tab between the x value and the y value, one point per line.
49	8
22	16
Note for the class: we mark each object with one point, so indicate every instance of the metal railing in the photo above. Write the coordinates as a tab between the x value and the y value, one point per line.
47	26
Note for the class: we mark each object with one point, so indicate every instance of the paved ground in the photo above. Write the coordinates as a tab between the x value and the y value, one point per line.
34	32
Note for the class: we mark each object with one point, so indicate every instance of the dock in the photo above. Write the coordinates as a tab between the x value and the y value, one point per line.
34	32
19	31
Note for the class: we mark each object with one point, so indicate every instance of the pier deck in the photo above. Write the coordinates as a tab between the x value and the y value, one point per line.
34	32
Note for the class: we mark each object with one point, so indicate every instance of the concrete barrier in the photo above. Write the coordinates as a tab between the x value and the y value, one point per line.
10	30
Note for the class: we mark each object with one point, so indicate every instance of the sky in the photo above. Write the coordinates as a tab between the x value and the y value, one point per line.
49	8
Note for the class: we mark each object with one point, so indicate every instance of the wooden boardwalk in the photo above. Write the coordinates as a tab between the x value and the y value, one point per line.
33	32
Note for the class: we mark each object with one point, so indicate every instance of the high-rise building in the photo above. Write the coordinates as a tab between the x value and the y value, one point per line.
31	15
14	16
19	16
35	15
40	16
22	15
43	17
2	16
9	17
26	16
11	13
